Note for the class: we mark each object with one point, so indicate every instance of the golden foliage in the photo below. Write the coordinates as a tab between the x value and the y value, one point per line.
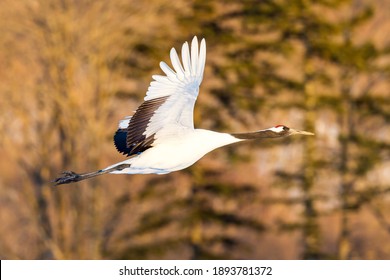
70	69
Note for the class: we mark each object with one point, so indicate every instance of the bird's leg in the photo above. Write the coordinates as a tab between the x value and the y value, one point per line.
71	177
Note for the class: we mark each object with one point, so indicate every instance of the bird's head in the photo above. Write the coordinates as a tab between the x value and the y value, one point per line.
283	130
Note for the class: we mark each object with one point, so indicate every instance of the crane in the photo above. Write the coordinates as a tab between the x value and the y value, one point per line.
160	137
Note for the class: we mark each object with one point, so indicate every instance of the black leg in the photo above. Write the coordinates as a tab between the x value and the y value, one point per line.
71	177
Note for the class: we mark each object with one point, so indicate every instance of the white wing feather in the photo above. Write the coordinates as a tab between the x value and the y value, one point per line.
124	123
180	85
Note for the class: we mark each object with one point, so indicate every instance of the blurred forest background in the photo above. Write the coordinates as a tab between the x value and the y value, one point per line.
70	69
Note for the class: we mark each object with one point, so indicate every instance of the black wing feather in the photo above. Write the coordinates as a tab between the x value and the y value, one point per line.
120	141
132	140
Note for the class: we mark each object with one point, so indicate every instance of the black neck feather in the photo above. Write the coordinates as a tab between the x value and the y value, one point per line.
260	134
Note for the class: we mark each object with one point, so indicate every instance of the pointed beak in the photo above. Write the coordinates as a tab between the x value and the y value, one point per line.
293	131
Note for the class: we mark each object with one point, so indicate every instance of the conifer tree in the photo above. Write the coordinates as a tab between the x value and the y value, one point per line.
360	151
298	59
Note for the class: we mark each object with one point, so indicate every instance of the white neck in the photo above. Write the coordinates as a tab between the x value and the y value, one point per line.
211	140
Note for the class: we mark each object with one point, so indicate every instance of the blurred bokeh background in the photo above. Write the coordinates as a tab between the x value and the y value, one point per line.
70	69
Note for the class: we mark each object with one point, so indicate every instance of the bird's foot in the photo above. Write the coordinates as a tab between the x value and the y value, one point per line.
69	177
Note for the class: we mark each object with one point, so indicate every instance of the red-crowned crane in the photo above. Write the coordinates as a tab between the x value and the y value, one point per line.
160	137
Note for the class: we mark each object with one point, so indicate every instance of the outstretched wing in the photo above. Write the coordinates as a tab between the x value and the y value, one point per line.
169	101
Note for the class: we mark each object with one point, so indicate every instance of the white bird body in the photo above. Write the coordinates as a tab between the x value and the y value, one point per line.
160	137
182	151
